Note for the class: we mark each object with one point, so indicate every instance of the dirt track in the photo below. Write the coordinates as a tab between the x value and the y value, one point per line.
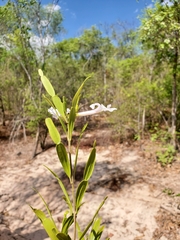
136	207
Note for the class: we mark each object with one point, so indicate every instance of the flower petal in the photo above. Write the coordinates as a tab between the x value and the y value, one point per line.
54	112
98	109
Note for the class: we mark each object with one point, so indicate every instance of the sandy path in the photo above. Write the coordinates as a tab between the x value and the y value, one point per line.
134	195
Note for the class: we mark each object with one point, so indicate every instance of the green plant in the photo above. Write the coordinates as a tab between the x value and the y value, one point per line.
160	134
74	202
166	156
168	191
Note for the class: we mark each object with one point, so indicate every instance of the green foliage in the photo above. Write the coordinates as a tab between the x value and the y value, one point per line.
160	33
80	193
89	168
63	157
48	225
25	28
168	191
53	131
138	94
46	83
160	134
160	30
166	156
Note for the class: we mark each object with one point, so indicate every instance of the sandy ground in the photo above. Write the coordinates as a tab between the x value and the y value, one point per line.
136	209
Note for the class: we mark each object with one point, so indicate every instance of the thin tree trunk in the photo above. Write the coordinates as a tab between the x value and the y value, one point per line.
36	142
174	100
3	112
143	122
105	80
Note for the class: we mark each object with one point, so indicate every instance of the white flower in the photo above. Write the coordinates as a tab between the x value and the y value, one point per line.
55	113
96	108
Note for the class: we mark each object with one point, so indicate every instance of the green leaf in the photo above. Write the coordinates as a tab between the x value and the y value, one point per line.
80	193
53	131
46	83
66	224
64	104
40	72
76	97
59	106
62	236
72	117
63	157
97	230
90	165
67	199
96	224
167	41
47	223
48	100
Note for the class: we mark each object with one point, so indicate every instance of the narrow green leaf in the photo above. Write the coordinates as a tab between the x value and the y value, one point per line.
97	230
64	104
67	199
76	97
91	222
63	157
90	165
96	224
79	231
46	83
66	224
80	193
47	223
40	214
48	100
83	129
72	117
53	131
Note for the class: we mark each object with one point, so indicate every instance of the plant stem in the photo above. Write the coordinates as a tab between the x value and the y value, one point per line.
73	190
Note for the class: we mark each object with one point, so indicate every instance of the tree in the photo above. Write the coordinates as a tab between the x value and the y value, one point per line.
160	32
27	30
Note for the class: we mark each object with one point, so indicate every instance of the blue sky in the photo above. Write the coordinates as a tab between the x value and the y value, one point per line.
81	14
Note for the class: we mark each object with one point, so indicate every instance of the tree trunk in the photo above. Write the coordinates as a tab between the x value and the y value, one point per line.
174	100
36	142
41	135
3	112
